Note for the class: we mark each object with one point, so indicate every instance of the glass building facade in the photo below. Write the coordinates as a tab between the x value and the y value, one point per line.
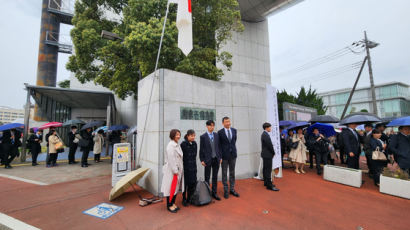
393	100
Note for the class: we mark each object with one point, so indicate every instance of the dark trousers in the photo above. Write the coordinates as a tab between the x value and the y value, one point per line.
311	153
188	192
342	156
52	159
34	155
84	157
71	153
332	161
267	172
369	162
378	169
230	163
97	157
9	154
214	167
353	162
321	158
172	202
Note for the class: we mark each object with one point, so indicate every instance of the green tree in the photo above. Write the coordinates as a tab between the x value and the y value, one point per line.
117	64
305	98
364	111
283	96
310	99
64	84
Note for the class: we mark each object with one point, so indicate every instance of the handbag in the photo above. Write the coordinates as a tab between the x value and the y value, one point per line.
83	142
59	145
294	145
378	155
76	140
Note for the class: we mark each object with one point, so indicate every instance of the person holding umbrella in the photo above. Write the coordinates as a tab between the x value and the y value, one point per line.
399	146
73	144
298	150
86	144
52	148
11	143
320	147
173	171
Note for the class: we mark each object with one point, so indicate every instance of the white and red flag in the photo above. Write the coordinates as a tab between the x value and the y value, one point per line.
184	25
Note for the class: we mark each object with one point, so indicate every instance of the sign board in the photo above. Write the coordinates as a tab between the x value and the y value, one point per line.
187	113
293	112
103	210
121	162
273	118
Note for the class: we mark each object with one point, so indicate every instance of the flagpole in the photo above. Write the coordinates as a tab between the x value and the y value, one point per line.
162	36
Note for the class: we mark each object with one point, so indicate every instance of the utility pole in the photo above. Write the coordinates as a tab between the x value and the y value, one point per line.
370	45
353	89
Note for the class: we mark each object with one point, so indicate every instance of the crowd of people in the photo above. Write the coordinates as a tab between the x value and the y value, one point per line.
86	140
347	146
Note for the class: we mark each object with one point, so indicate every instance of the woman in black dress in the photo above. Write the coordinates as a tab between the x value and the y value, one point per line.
189	148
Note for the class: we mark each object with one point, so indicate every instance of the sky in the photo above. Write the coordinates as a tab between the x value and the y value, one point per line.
307	31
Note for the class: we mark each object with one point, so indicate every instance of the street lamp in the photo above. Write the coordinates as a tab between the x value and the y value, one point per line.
110	36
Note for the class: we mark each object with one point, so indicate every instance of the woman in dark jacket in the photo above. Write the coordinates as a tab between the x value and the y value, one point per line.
376	143
189	148
88	140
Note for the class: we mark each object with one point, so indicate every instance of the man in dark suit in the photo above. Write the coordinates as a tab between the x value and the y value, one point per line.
73	146
227	145
267	155
399	146
351	143
11	143
282	145
34	141
367	148
210	156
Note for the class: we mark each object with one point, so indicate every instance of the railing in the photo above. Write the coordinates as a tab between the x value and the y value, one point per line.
63	41
63	6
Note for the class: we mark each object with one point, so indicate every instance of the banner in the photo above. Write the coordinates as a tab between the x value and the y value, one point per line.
121	162
272	117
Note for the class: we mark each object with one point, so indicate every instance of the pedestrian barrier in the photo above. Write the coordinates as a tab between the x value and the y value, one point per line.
342	175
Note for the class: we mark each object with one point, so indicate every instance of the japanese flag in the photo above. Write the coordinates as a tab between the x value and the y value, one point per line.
184	25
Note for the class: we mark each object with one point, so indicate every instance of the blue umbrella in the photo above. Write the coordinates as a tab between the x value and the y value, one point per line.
286	123
104	128
301	124
324	129
11	126
118	127
402	121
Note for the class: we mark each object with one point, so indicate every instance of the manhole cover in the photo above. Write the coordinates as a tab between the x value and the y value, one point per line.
265	212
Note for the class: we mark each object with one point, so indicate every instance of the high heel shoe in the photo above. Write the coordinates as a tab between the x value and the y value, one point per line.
302	171
173	211
297	171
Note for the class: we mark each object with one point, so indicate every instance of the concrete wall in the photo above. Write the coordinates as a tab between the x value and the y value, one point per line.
250	51
243	103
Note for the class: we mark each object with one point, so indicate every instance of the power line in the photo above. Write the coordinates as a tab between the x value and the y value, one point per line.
319	61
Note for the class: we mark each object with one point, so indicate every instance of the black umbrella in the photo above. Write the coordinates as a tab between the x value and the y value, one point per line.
73	122
325	119
360	118
92	124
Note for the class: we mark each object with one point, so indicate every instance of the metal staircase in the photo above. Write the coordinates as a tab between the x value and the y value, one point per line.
63	9
62	41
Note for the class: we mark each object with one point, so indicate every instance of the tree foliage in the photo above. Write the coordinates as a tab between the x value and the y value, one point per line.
117	64
308	98
64	84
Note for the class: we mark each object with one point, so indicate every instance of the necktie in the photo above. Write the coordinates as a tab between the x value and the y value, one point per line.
229	135
212	137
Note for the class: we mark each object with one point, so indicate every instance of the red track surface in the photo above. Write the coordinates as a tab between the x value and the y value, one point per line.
304	202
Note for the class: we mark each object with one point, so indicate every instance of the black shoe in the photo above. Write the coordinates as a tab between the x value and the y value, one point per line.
215	196
87	164
173	211
84	166
226	195
185	203
8	167
234	193
34	164
273	189
319	173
